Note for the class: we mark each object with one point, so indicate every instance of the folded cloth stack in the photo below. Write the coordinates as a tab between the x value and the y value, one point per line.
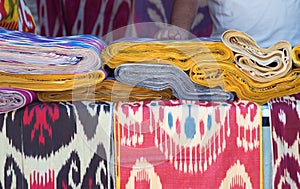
258	74
163	76
13	99
109	90
40	63
182	54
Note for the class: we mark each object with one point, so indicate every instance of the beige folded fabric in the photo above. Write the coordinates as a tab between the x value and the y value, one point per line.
262	65
182	54
108	90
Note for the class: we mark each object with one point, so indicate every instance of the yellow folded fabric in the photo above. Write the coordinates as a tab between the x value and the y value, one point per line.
50	82
260	64
183	54
108	90
232	79
296	55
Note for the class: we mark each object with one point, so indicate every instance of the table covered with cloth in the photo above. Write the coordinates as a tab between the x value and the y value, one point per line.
148	144
160	144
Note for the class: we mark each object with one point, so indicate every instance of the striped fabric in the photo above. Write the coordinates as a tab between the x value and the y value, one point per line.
46	63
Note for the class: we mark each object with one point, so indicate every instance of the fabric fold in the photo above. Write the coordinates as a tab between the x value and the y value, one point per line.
28	59
296	55
108	90
13	99
232	79
262	65
163	76
51	82
182	54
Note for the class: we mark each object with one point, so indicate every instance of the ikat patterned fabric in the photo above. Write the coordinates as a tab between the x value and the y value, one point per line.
285	127
16	15
57	145
73	17
188	144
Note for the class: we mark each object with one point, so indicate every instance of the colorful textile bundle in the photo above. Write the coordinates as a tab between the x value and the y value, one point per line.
57	145
182	54
35	62
13	99
16	15
163	76
285	121
186	144
108	90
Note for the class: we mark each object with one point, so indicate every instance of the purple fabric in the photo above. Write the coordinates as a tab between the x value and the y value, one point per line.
285	121
13	99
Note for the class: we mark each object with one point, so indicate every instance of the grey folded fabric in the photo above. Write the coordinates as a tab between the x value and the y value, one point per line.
162	76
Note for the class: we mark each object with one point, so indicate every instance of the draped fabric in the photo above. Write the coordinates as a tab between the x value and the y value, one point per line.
35	62
16	15
73	17
13	99
109	90
163	76
285	121
112	19
188	144
57	145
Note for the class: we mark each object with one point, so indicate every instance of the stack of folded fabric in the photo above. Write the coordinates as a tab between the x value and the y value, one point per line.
13	99
258	74
158	65
33	62
163	76
109	90
182	54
